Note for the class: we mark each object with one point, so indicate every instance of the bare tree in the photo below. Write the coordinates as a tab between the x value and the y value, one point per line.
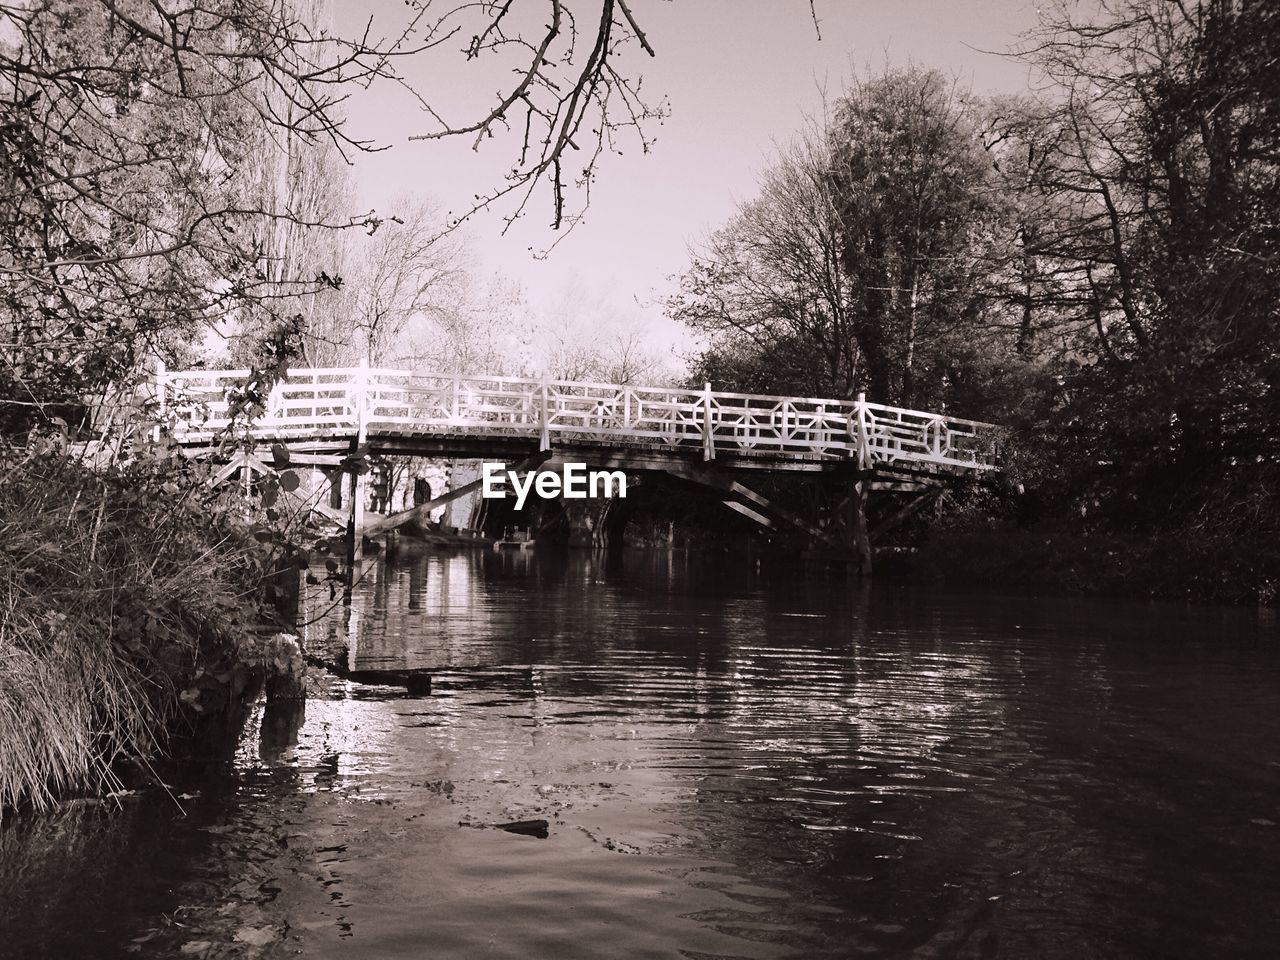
772	282
1164	139
139	204
476	334
466	322
569	99
1161	192
583	336
629	358
409	270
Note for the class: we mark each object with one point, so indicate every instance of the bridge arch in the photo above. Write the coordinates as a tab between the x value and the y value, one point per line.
712	438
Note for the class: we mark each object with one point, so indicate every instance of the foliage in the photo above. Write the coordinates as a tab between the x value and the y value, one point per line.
860	265
168	169
171	173
919	227
1171	162
118	588
1065	555
1095	267
134	193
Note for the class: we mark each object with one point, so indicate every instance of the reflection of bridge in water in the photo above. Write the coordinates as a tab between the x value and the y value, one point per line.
713	438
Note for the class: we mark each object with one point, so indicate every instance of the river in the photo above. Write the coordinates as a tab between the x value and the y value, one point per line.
732	761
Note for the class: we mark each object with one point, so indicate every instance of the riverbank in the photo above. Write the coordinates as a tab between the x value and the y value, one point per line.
129	600
1074	558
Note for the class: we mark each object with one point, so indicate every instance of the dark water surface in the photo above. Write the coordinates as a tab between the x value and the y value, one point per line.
731	764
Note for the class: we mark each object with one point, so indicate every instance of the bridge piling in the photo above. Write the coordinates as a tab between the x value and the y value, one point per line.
355	526
858	526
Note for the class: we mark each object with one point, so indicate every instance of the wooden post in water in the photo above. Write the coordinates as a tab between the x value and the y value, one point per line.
447	518
858	525
857	520
357	476
355	523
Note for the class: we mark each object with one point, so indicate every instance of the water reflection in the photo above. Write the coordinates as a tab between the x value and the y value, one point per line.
732	763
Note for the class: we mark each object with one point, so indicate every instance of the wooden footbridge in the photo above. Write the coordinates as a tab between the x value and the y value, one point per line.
714	438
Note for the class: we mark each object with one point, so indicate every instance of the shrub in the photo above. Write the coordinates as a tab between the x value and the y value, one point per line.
118	589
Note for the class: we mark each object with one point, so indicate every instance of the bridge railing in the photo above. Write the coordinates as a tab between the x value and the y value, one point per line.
338	401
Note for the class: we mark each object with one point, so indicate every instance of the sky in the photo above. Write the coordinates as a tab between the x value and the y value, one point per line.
739	78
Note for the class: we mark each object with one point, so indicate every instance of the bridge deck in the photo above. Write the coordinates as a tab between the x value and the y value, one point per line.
401	411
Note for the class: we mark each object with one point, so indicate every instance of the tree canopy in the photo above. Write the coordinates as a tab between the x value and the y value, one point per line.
171	168
1095	265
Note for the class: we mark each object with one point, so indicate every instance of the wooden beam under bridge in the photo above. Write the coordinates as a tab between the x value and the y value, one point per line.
755	506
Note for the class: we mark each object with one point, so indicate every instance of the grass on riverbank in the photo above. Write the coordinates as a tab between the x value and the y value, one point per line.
117	591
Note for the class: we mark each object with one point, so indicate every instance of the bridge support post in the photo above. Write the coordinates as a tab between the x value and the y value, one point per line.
861	435
355	524
855	521
708	426
857	524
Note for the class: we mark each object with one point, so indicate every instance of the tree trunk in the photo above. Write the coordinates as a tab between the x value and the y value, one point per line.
908	364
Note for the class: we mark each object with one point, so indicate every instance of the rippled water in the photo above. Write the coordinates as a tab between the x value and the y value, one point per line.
731	764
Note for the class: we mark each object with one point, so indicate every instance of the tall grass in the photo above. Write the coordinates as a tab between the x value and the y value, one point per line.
118	590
